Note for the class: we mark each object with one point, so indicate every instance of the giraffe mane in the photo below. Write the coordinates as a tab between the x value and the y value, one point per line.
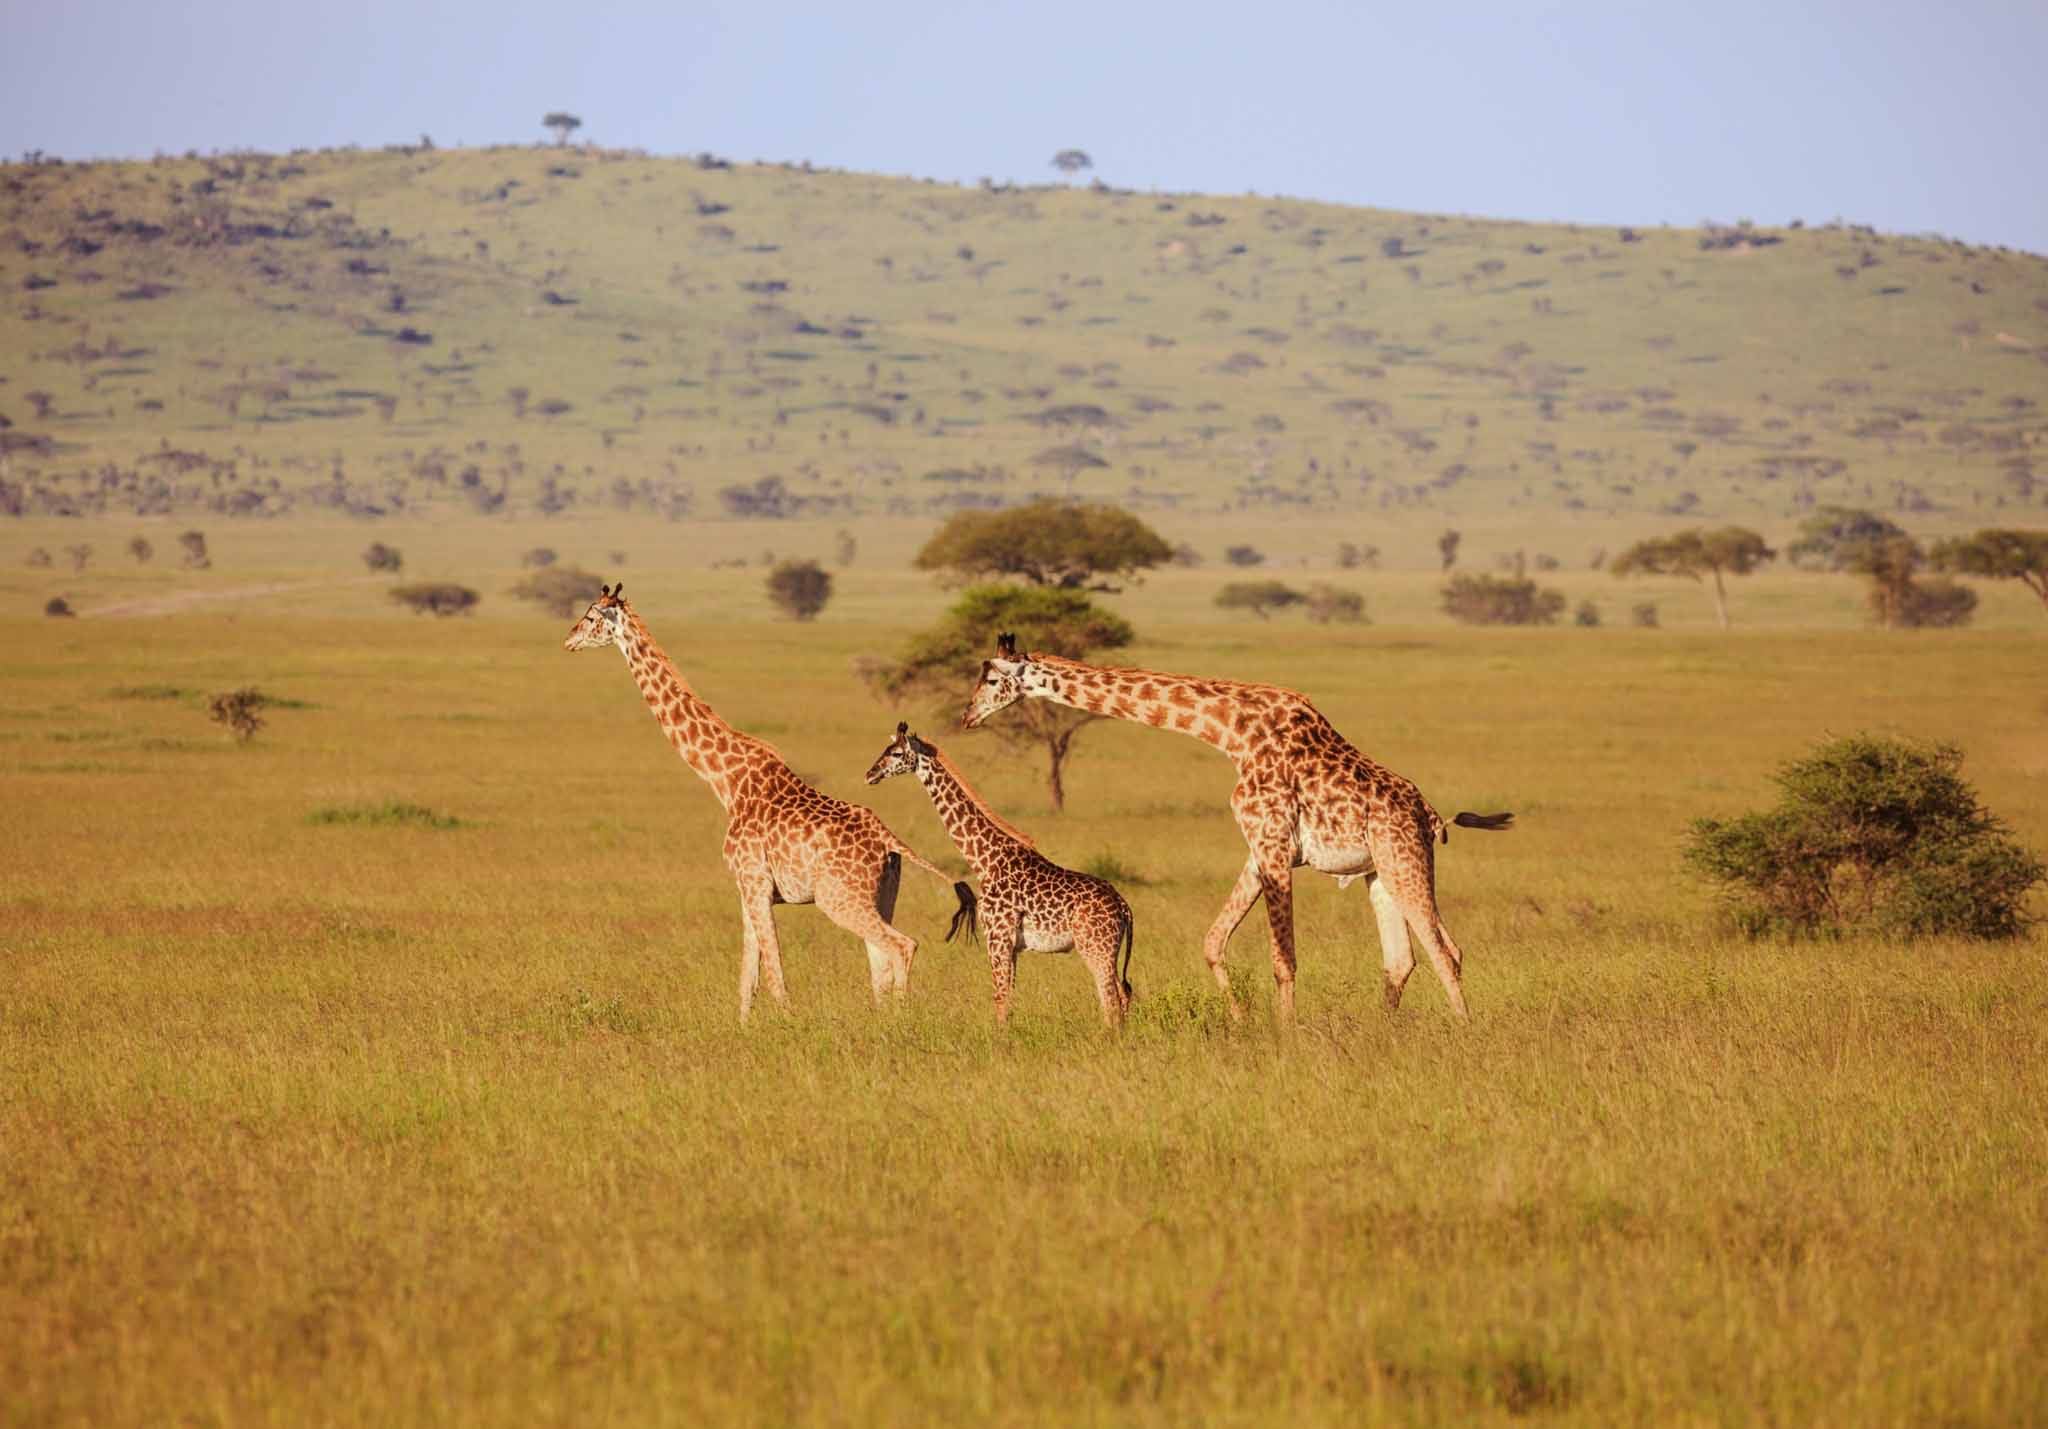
973	797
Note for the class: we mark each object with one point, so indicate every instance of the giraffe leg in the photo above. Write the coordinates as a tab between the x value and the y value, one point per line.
1099	952
1396	956
1242	896
1002	927
1276	884
889	949
1449	962
759	950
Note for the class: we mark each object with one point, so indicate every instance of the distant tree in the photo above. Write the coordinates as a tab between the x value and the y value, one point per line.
1836	538
1871	835
799	589
518	396
1347	556
80	554
1999	555
1326	603
1899	599
436	598
843	547
1644	615
1261	598
1072	161
41	401
563	123
1501	600
1730	550
194	543
1244	556
1046	543
1447	548
56	605
560	590
238	711
39	557
946	660
539	558
141	550
1587	615
380	557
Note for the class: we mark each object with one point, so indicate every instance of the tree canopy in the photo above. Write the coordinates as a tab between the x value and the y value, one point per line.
1047	544
1734	550
1072	161
1259	597
943	663
799	589
1999	555
562	122
1835	538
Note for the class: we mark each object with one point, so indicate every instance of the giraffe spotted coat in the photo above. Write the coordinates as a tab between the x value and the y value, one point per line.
785	842
1305	797
1027	901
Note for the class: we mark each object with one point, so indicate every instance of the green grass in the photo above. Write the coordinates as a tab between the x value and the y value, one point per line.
392	813
303	1125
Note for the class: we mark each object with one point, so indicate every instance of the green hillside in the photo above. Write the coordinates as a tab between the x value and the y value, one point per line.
536	330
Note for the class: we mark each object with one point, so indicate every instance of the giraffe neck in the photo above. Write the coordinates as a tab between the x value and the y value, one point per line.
1209	710
982	836
714	749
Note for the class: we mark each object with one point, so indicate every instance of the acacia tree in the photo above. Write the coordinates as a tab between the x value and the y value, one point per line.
1259	597
1047	544
1898	599
943	663
799	589
1731	550
563	123
1837	538
1999	555
1072	161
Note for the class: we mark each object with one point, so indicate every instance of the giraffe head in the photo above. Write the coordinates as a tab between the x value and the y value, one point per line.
604	623
1006	679
902	756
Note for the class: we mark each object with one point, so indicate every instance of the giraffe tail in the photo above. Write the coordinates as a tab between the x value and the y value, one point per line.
1126	935
1480	821
966	913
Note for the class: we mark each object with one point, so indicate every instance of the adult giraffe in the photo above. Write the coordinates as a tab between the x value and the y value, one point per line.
1304	797
785	842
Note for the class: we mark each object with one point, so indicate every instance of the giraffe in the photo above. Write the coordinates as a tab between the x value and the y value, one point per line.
785	842
1027	900
1304	797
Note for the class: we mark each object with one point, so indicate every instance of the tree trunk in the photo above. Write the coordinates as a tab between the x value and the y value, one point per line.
1056	746
1720	598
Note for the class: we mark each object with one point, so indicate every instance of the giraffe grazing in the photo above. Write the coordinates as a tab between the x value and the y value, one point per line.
1027	900
1304	797
785	842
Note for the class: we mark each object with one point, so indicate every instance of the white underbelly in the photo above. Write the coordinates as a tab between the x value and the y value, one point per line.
1326	855
1038	940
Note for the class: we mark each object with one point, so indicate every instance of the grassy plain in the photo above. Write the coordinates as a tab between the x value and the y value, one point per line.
315	1110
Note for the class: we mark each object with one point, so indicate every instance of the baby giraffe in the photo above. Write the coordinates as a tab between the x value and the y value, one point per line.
1027	900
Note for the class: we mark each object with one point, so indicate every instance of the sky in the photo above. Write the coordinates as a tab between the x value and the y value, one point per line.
1915	118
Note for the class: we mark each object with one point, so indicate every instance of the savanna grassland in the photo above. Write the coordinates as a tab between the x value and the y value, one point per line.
386	1068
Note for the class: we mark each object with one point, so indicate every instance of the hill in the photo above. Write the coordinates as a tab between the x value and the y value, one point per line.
548	330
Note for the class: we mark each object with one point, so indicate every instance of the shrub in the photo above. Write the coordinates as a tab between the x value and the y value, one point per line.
237	711
141	550
194	543
560	590
799	589
1244	556
39	558
56	605
539	558
1587	614
1327	603
1259	597
1872	835
1644	615
380	557
436	598
1496	600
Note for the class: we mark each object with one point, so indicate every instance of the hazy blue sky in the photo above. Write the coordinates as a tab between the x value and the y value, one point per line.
1914	117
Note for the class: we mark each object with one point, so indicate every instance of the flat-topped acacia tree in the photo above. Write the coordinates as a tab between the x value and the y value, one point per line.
1998	555
1694	554
1047	543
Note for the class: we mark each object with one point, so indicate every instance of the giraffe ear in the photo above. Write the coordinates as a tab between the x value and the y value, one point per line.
619	591
604	590
902	728
1006	643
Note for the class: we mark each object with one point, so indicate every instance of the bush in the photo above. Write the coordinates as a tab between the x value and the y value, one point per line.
436	598
380	557
1327	603
1494	600
196	557
1644	615
56	605
238	711
560	590
1244	556
1259	597
539	558
1587	615
1872	835
799	588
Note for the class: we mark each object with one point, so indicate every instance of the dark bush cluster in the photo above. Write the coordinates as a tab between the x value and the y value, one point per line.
1501	600
436	598
1872	835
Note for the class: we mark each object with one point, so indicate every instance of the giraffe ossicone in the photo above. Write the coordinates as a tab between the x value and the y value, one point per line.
785	842
1305	797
